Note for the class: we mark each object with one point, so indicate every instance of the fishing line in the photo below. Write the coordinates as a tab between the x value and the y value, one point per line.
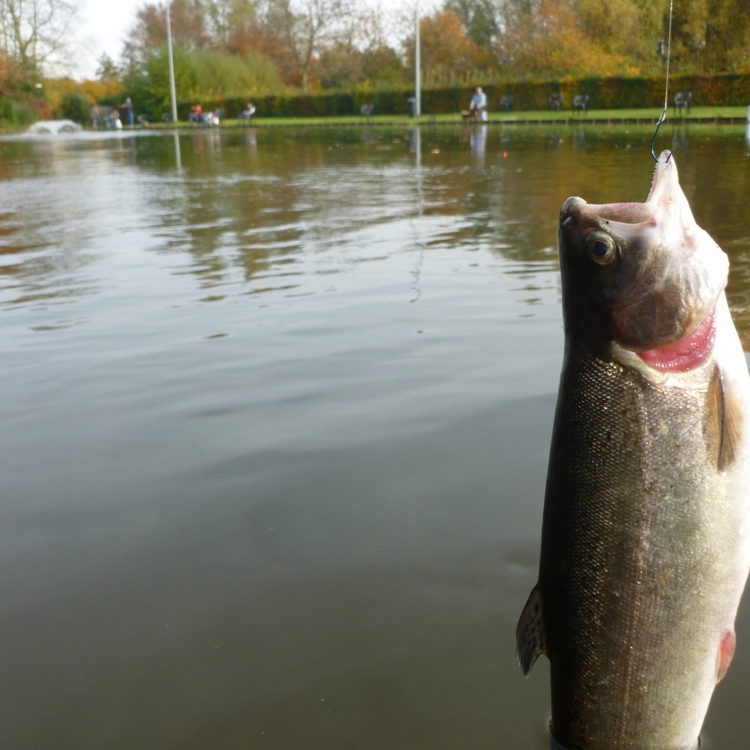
666	85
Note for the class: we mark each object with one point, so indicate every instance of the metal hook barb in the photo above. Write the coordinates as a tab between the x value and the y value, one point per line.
658	125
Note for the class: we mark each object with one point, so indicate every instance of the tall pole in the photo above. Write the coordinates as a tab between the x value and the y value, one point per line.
171	67
417	93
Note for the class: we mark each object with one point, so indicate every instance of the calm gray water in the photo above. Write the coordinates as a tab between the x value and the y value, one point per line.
275	414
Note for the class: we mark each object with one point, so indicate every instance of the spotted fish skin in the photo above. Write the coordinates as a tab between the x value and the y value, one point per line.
646	531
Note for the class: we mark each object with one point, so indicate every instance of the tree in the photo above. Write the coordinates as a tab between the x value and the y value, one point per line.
357	52
76	106
254	38
382	65
549	41
35	32
200	75
446	51
224	16
340	66
710	35
304	26
149	30
727	36
482	19
106	68
627	28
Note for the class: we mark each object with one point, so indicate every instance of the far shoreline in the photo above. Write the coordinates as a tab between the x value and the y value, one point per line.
647	116
737	115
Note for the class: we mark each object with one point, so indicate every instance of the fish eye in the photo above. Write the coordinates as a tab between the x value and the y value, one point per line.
601	248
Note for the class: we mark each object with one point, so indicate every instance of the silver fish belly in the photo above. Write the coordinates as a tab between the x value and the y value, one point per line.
646	531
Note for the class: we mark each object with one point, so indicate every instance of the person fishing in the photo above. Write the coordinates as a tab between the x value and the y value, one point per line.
478	105
196	114
247	113
127	106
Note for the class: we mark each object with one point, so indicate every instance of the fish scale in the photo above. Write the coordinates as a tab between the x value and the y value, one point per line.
617	500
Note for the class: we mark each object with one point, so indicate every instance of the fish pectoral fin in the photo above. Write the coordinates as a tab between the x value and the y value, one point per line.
530	640
726	653
729	414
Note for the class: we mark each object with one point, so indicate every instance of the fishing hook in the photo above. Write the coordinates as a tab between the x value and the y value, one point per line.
656	132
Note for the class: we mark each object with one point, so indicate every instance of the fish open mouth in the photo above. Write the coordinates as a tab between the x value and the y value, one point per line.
687	354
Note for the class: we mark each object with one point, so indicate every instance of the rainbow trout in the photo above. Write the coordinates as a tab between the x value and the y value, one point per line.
646	532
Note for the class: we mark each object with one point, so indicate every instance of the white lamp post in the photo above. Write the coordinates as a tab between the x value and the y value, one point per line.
417	93
171	67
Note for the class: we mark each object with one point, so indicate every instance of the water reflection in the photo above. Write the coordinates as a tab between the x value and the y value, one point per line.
415	144
680	139
578	137
478	139
251	137
243	211
555	140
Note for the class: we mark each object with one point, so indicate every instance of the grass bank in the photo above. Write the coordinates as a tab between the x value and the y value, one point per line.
712	115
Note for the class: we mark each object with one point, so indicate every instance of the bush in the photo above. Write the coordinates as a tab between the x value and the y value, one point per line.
604	93
16	113
75	106
206	76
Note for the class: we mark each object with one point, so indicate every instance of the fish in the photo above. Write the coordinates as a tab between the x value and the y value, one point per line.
645	545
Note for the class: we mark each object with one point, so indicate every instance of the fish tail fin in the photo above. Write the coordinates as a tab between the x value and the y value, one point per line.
530	640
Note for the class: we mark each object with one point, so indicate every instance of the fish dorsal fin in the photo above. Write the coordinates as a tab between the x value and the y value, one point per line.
730	419
530	640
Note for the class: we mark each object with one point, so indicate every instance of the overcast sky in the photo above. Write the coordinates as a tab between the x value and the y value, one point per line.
103	26
104	23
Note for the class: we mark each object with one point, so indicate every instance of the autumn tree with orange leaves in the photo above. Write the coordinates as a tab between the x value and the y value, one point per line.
341	45
447	53
551	42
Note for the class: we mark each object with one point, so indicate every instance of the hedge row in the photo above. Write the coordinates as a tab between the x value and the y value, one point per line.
604	93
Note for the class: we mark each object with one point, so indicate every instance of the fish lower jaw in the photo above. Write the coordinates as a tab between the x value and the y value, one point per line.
685	355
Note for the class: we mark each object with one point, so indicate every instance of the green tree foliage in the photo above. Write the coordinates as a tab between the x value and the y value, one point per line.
482	19
728	36
106	68
627	29
224	16
711	36
18	90
75	106
345	67
200	75
220	74
382	66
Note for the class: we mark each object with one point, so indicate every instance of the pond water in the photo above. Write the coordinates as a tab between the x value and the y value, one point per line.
276	411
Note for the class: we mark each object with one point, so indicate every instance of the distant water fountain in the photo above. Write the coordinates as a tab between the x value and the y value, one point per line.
54	127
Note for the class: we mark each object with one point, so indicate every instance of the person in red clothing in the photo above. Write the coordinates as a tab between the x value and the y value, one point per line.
195	113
